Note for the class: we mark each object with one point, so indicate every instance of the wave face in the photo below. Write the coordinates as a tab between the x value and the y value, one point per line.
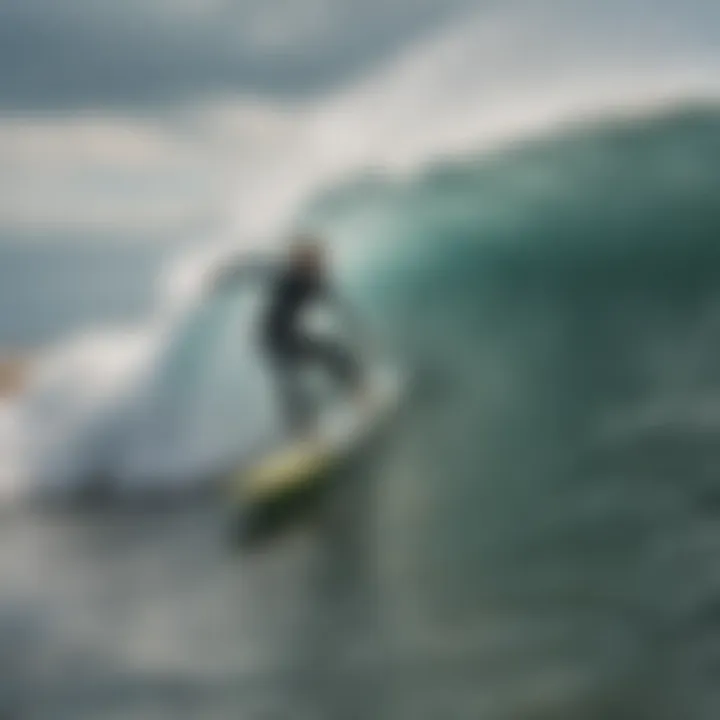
564	295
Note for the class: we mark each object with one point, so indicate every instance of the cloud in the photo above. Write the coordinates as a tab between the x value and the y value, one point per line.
114	174
70	54
139	175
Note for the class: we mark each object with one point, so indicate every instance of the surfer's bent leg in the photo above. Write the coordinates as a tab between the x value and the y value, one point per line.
294	405
289	354
336	359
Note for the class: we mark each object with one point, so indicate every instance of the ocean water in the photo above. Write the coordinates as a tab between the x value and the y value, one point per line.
536	538
48	293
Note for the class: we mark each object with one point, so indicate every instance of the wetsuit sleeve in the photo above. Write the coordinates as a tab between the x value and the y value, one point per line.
238	273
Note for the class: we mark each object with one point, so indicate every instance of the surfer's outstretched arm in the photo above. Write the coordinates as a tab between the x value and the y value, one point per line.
234	274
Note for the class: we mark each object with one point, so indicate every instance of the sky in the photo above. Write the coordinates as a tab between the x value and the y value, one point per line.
131	119
160	120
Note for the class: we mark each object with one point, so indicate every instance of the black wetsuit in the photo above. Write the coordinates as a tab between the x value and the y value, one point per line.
290	347
293	291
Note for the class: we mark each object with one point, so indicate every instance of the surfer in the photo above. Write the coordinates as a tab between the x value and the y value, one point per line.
295	284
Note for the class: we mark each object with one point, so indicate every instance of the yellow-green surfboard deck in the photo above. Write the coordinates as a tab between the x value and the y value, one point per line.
297	467
286	471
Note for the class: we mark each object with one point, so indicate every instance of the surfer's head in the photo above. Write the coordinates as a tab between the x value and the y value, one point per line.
308	253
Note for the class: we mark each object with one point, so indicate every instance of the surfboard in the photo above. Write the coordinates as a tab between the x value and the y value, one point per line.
299	464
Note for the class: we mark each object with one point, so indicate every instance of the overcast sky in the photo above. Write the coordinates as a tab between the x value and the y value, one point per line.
143	54
145	119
